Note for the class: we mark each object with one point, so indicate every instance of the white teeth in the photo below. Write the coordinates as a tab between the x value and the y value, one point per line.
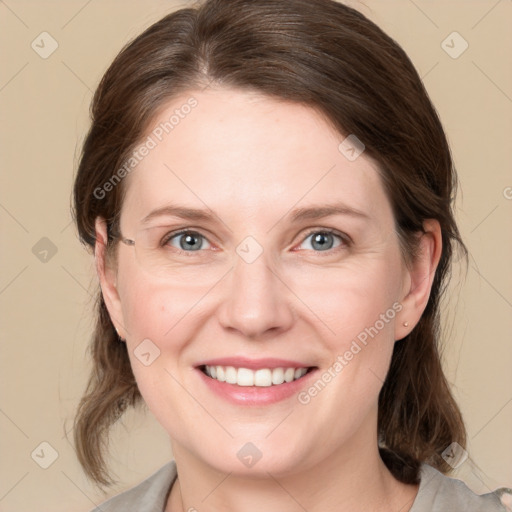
245	377
297	373
289	374
263	377
221	374
231	375
277	376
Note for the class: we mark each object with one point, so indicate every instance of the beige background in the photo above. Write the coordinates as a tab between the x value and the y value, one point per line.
46	306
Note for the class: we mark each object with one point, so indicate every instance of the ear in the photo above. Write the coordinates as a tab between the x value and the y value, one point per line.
108	278
419	278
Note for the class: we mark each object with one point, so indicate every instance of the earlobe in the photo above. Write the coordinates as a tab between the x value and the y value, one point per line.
108	278
420	276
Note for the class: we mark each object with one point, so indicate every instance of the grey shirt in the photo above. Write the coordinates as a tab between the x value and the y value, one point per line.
436	493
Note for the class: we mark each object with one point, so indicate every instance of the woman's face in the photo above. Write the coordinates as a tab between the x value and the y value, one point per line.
259	283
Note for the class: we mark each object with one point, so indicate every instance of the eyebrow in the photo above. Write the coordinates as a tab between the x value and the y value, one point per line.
299	214
321	211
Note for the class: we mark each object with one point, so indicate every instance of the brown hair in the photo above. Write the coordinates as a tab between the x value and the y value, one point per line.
327	56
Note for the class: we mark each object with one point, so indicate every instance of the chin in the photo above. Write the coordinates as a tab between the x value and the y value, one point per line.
255	459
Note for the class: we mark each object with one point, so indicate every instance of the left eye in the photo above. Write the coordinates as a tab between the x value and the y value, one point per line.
323	240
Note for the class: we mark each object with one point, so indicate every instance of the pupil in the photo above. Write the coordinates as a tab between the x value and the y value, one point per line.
320	239
189	240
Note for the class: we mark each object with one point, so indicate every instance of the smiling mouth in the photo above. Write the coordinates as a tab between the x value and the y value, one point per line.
263	377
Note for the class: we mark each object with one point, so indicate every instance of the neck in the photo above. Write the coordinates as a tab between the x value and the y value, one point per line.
352	479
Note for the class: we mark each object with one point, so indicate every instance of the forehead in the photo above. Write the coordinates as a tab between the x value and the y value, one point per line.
237	150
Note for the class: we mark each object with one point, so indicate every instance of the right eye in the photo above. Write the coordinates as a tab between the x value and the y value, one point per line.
187	241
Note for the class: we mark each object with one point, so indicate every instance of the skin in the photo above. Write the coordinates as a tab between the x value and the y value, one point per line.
251	159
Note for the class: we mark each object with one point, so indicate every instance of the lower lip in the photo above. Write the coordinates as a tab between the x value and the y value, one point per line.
256	395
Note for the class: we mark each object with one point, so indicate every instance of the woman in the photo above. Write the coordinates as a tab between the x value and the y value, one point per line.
268	193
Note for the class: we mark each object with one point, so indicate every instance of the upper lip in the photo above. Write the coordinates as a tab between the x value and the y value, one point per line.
254	364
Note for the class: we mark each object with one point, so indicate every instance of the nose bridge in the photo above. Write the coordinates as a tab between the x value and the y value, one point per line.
256	300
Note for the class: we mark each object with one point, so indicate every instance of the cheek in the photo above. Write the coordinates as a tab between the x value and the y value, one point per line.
154	309
345	301
358	308
155	317
144	311
161	319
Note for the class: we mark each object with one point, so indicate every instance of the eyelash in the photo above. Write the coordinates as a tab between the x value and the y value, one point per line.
345	239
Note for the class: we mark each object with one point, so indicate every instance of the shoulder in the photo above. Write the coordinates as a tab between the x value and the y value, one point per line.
440	493
148	496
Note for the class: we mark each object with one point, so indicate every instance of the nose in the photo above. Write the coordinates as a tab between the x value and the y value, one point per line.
256	301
